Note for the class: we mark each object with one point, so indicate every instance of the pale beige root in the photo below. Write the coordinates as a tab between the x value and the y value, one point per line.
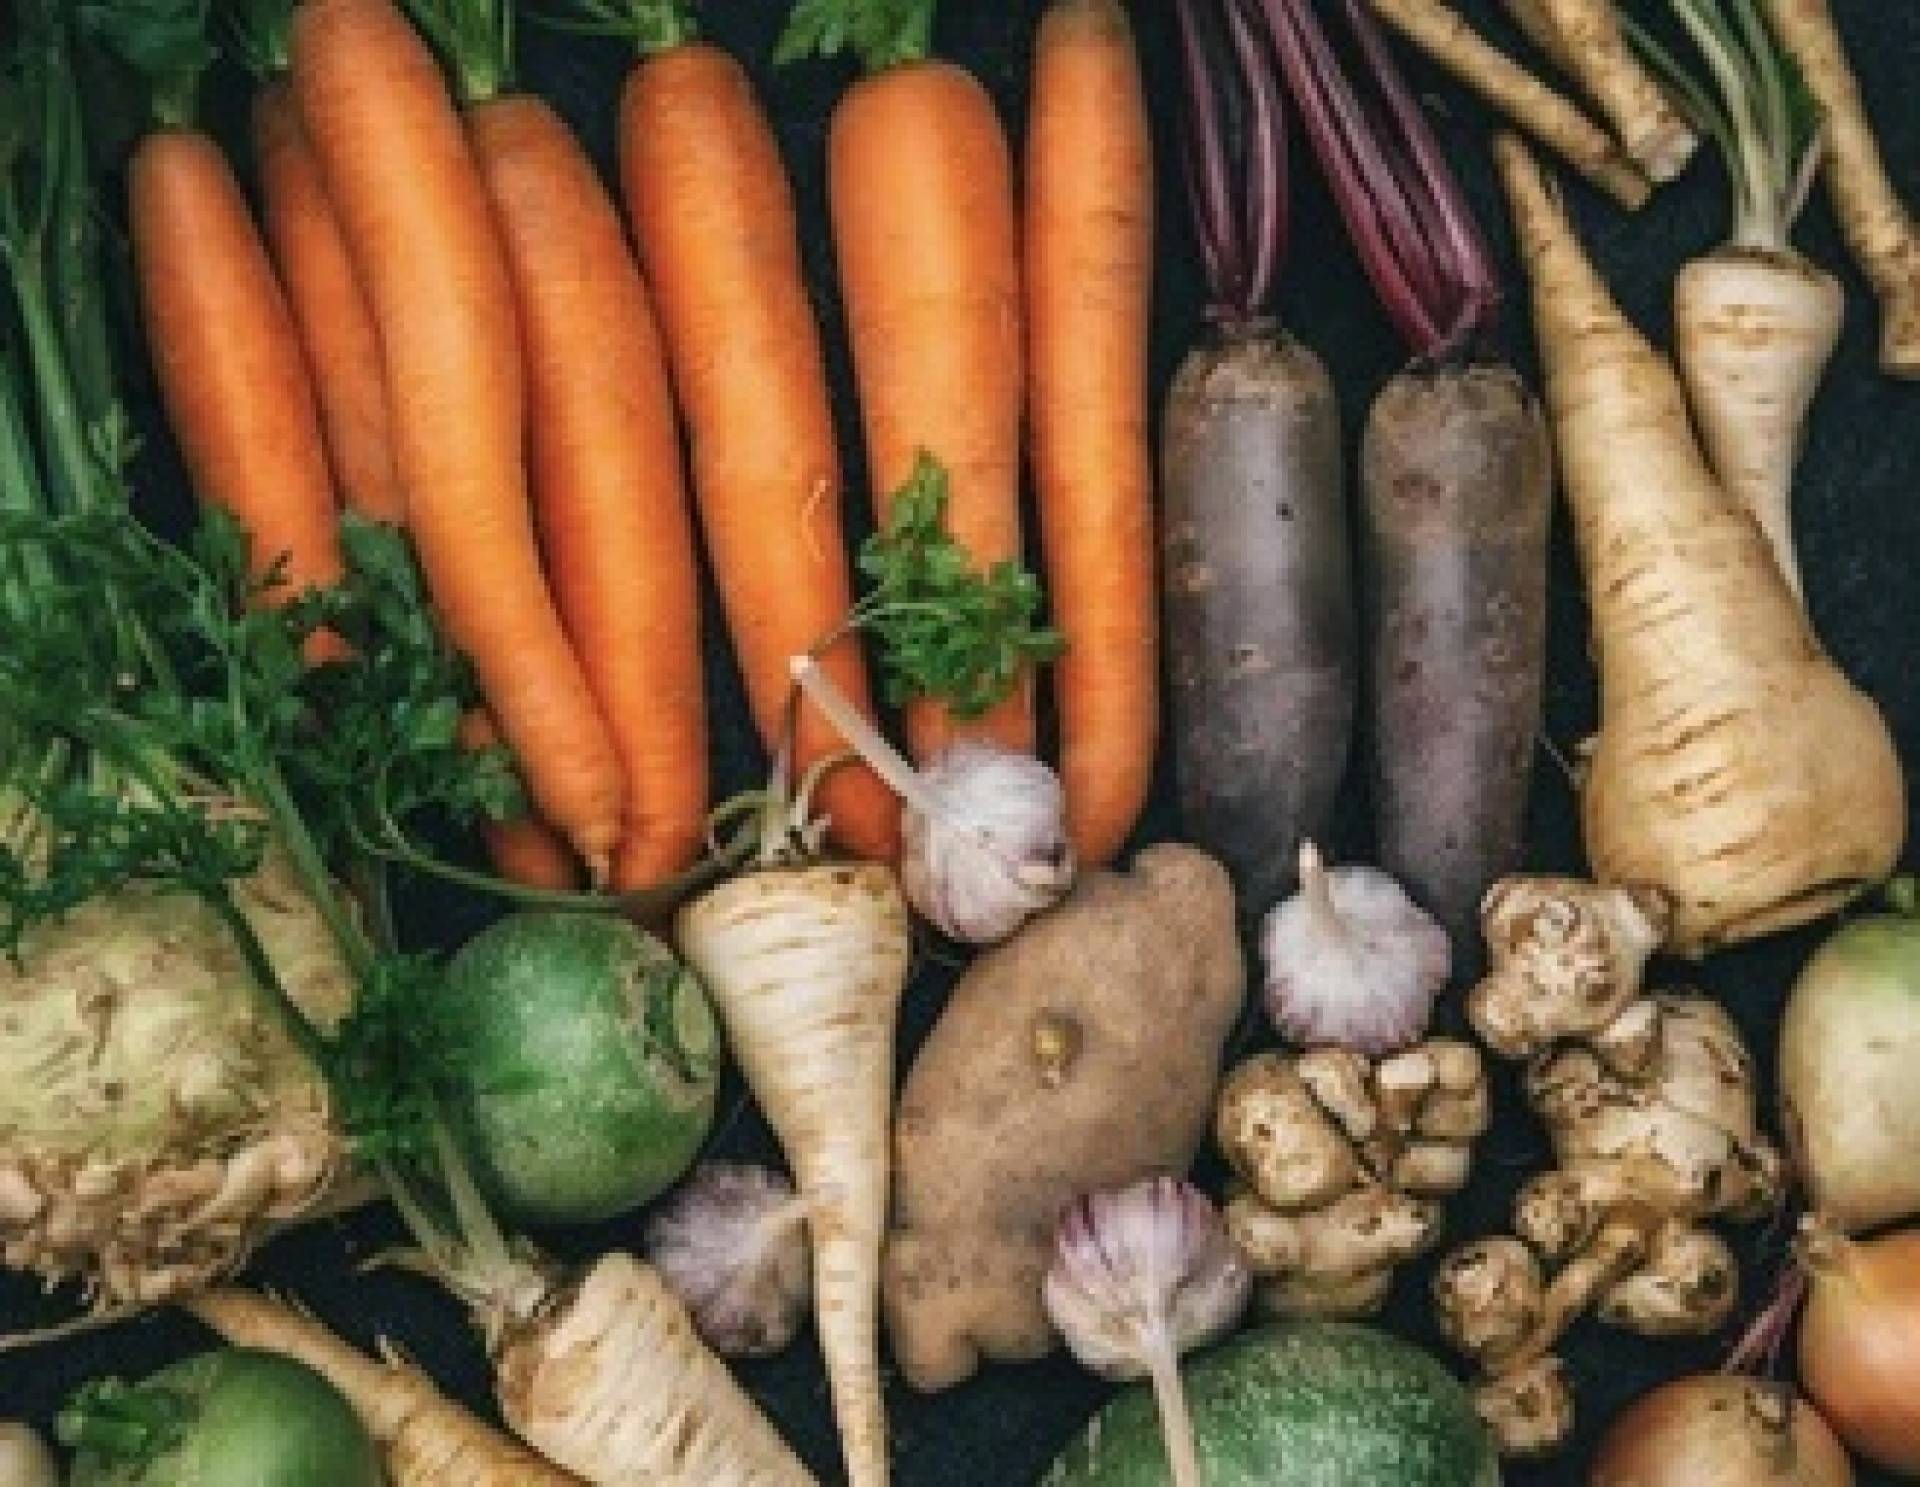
1564	959
1530	1411
1585	39
1753	330
612	1383
1736	771
1444	35
806	967
1655	1133
164	1120
427	1439
1342	1158
25	1460
1877	224
1080	1056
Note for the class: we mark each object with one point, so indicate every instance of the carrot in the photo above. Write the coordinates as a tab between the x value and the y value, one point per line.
712	213
418	227
608	490
1736	770
524	850
227	358
337	331
921	188
1089	269
427	1439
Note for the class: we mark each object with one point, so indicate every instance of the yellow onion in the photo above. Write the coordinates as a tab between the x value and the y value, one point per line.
1720	1430
1860	1341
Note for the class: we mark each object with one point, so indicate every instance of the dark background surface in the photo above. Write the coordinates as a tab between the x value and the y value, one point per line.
1859	522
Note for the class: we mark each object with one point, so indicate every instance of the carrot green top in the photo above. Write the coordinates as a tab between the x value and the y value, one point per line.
164	41
884	33
475	40
258	34
653	26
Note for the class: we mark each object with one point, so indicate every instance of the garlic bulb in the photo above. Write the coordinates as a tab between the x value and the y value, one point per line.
985	842
985	828
1139	1277
1352	961
732	1244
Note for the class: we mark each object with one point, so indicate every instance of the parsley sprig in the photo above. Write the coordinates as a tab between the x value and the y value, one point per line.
944	629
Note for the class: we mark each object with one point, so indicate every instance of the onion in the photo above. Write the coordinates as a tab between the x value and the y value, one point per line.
1860	1340
1720	1430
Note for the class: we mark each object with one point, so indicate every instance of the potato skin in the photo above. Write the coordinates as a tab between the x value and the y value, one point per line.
1457	481
1260	611
1080	1055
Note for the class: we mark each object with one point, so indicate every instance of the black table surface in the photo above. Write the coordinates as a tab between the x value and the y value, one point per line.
1859	522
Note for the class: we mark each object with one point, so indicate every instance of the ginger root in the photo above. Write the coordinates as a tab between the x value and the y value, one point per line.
1340	1160
1650	1104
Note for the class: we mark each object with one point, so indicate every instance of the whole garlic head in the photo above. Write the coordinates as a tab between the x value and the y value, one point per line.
985	842
731	1243
1351	960
1142	1275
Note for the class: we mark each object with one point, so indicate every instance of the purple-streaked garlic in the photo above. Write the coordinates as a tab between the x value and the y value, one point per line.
984	831
1351	961
731	1243
1139	1277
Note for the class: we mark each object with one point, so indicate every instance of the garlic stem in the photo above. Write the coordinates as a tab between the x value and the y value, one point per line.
866	740
1176	1422
1316	890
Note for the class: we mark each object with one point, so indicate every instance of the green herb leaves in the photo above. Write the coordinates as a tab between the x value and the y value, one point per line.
944	630
884	33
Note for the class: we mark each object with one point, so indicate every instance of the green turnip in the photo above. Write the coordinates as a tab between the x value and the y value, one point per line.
583	1060
231	1418
1849	1046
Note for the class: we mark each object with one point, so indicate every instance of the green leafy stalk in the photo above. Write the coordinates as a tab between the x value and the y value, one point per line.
1755	106
882	33
652	26
944	630
474	38
259	35
164	41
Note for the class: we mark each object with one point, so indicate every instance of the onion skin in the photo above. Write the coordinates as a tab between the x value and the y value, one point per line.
1720	1430
1860	1342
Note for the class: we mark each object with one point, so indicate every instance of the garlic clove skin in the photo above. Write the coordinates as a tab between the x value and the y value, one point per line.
985	843
1352	961
1140	1273
731	1243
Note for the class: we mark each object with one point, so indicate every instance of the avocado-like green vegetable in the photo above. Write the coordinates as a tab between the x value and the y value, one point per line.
584	1059
229	1418
1310	1404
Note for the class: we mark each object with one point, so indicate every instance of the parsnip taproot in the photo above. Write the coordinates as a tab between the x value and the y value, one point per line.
1736	770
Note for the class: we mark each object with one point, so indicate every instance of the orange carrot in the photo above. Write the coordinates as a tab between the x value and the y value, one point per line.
336	328
923	224
418	227
608	491
713	214
524	850
1089	263
227	357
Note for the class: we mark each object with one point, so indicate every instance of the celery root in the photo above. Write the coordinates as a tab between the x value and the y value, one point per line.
1736	771
1877	224
1584	38
427	1439
1444	35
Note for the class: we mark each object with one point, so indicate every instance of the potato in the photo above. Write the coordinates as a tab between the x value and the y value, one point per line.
1080	1055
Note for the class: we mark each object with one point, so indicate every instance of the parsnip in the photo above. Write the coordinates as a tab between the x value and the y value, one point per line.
1877	224
806	964
1444	35
1736	770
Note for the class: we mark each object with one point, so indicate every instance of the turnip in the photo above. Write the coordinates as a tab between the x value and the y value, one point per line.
230	1418
1849	1048
583	1060
1258	576
1737	771
1457	477
1754	322
806	961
